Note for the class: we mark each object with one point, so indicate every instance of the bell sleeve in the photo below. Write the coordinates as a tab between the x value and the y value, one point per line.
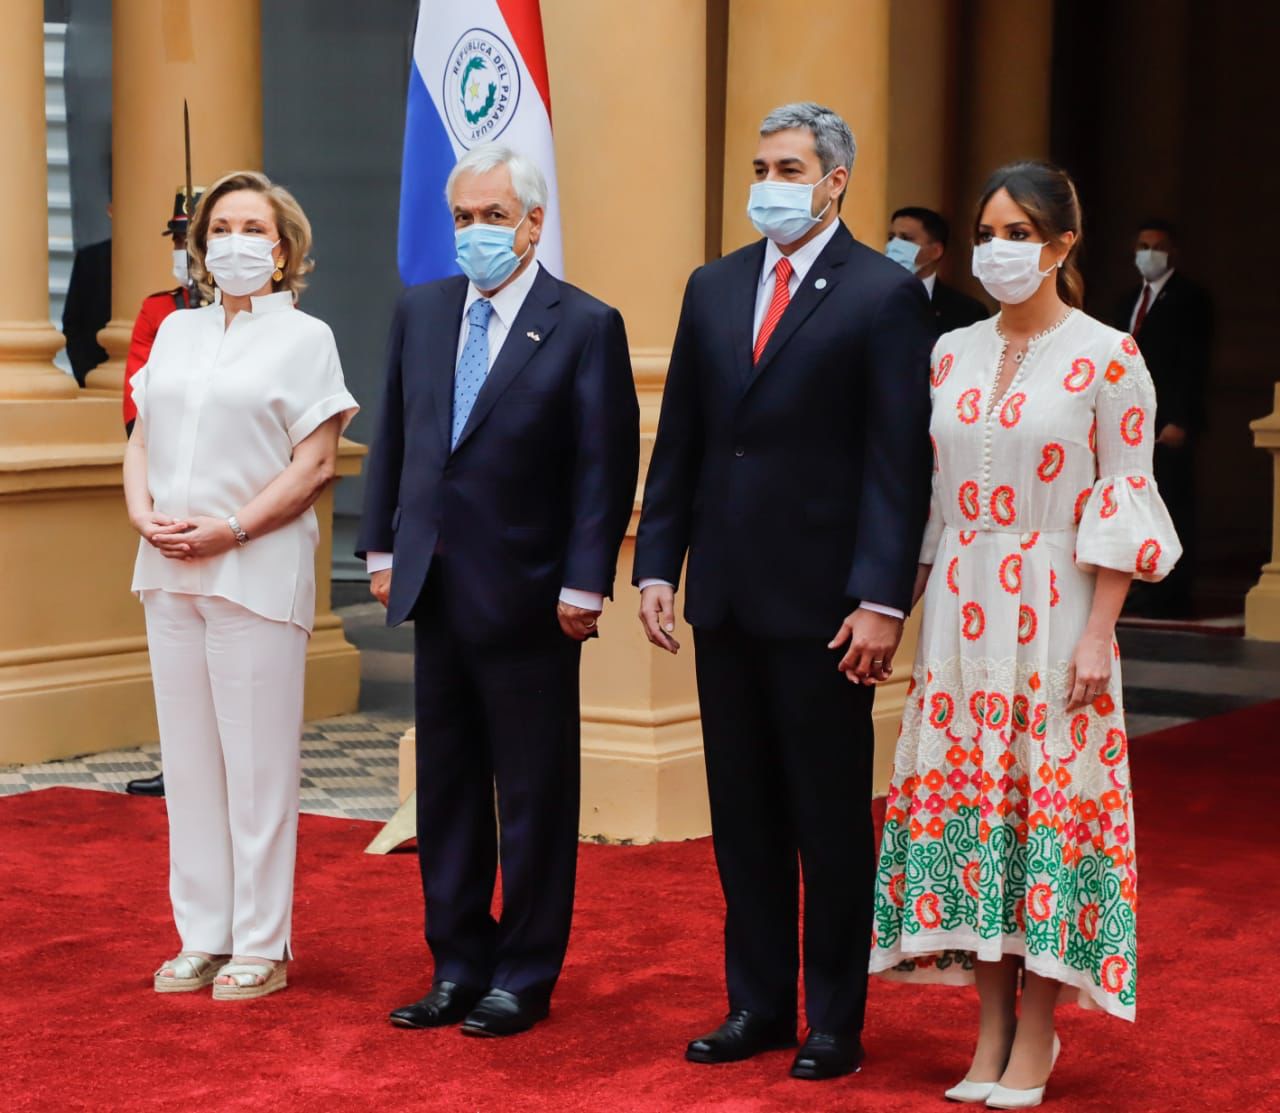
1124	524
318	391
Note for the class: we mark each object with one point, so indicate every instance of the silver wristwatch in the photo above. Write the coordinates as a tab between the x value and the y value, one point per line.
242	538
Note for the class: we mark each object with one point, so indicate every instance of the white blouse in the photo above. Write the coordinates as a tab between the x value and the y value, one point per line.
223	407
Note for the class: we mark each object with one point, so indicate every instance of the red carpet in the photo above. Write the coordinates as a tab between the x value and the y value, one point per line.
84	920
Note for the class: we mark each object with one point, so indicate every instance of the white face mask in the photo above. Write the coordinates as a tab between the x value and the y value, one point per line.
1152	265
180	265
240	264
1009	270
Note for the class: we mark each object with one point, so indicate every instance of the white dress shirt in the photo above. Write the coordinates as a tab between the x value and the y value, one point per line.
1155	287
930	283
506	305
802	260
223	407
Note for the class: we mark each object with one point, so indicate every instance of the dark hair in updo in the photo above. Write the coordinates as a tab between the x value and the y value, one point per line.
1048	196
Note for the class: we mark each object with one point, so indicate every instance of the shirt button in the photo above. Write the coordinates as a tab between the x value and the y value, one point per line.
739	451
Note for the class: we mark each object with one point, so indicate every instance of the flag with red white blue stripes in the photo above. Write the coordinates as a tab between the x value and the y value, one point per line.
479	75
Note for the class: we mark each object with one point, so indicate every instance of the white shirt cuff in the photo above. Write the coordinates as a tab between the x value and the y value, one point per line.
587	600
377	562
655	583
879	608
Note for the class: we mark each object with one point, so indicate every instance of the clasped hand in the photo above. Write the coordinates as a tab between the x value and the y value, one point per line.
192	538
873	639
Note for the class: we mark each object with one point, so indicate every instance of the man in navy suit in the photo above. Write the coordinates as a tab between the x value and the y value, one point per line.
792	466
500	484
1171	318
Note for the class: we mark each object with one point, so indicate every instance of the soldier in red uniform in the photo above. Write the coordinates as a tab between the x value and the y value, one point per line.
156	307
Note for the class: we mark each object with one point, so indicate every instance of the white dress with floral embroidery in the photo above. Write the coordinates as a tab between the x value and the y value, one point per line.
1009	824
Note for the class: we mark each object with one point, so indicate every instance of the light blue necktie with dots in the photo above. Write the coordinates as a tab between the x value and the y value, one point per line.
473	367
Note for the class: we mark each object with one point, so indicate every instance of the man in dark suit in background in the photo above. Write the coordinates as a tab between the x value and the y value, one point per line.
918	240
500	484
1172	320
87	309
792	466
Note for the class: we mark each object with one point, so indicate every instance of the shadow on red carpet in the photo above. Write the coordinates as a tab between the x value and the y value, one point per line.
84	919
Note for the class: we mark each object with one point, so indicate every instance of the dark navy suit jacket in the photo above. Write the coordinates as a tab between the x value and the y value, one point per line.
797	486
539	490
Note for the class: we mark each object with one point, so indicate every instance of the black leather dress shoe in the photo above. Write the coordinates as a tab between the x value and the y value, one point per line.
500	1013
742	1035
146	786
446	1003
825	1056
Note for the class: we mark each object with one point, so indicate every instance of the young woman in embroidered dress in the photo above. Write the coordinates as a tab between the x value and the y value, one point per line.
1008	851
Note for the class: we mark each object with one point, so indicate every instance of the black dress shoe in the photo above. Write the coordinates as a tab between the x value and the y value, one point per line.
826	1056
146	786
500	1013
742	1035
446	1003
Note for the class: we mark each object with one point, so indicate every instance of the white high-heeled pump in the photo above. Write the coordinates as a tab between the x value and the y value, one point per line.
971	1093
1001	1097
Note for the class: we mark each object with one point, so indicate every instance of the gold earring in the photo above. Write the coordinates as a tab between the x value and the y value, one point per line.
279	273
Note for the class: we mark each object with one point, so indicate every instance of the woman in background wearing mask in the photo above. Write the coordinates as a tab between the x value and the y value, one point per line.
1008	851
240	407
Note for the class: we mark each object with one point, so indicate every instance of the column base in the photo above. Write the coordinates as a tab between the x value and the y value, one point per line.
643	777
27	371
333	671
1262	606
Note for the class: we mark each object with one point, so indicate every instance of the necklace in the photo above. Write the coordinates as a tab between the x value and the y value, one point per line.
1019	356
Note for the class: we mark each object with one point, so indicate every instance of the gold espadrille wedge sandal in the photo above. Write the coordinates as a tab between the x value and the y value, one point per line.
190	972
252	979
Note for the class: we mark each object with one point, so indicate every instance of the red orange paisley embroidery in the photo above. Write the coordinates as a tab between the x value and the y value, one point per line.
1011	411
1052	457
975	621
1148	556
1080	377
1010	574
1131	425
1002	505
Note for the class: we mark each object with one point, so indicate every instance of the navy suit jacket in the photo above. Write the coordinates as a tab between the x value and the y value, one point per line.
797	486
539	490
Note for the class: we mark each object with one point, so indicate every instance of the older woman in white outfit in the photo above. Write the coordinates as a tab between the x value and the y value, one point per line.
239	412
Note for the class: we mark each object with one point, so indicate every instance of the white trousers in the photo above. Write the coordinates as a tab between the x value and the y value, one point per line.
228	687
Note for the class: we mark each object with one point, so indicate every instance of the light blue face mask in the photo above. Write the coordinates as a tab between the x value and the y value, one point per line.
783	211
486	254
903	252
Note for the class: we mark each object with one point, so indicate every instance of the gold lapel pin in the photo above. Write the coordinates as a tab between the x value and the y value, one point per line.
533	336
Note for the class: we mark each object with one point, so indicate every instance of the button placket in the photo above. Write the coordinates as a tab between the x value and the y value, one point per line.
198	382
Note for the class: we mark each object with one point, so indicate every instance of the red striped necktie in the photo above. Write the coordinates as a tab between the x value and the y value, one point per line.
777	306
1142	308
